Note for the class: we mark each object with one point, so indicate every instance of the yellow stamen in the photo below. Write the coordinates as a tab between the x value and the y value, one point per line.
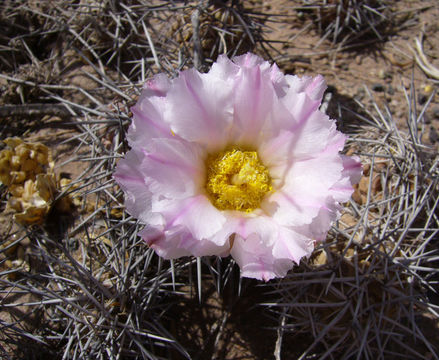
237	180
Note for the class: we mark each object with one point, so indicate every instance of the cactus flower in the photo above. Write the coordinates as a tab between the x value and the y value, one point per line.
238	161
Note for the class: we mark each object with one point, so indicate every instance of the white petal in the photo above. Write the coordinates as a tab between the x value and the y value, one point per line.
135	186
290	146
196	214
175	168
158	86
256	260
253	97
351	174
304	190
313	87
148	120
250	60
165	244
177	242
292	245
199	108
264	249
224	69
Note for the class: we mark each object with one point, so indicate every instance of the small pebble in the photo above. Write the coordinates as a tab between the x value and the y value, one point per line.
363	185
73	243
360	94
434	136
358	60
25	242
356	196
436	111
390	90
422	99
17	263
378	87
366	169
20	253
376	184
428	89
427	119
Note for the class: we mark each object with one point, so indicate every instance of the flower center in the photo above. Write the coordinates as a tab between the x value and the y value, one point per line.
237	180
